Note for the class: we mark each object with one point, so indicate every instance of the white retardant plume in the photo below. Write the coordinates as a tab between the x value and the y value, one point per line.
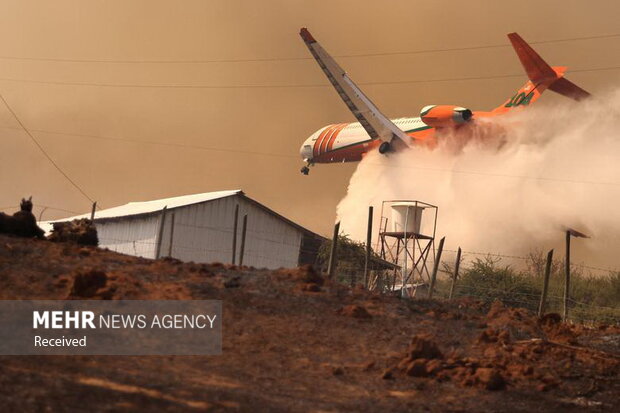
555	167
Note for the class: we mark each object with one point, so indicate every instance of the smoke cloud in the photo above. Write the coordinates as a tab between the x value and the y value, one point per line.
512	193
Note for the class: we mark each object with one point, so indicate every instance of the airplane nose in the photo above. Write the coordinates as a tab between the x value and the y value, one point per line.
306	150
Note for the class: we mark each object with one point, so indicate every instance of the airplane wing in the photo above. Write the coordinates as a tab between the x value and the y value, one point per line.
376	124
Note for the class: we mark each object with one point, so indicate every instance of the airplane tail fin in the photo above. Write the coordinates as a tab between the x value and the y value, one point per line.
541	77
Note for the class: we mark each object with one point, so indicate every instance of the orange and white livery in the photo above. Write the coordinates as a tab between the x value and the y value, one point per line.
348	142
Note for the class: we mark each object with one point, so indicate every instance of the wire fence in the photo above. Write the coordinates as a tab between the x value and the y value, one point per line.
578	311
594	294
590	300
581	266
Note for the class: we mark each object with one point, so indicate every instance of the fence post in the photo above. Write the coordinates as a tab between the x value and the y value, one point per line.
160	233
92	211
333	253
456	272
436	268
368	246
243	231
171	234
543	296
567	275
235	225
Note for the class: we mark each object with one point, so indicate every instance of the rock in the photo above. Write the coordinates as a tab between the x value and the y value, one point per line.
417	368
422	347
388	374
172	260
84	252
488	336
490	378
404	363
61	282
205	271
503	336
493	352
337	371
307	274
550	319
355	311
107	294
86	284
368	366
232	283
311	287
434	366
470	362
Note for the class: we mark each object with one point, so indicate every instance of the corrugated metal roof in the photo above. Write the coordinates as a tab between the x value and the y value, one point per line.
155	206
147	207
150	207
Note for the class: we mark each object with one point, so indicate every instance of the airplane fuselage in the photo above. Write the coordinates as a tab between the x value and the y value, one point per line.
348	142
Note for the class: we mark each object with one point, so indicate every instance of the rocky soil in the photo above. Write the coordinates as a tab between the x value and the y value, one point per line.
294	341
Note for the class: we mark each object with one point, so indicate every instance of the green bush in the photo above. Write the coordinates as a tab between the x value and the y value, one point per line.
592	298
351	260
487	280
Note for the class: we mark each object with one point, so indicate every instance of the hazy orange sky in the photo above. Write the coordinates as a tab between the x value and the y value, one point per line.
134	71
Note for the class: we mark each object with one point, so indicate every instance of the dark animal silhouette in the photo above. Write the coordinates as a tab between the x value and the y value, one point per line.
22	223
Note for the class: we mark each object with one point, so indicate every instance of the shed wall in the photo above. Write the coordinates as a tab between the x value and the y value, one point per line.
133	236
204	233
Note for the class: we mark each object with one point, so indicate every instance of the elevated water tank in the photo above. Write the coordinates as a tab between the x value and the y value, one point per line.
406	213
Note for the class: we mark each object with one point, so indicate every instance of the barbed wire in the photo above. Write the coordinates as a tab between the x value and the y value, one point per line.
500	255
517	297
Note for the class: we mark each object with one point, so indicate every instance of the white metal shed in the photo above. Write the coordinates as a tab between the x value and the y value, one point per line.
199	228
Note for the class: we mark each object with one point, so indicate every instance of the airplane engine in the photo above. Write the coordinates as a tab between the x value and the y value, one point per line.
443	116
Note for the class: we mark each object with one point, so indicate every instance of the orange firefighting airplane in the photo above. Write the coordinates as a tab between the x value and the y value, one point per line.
349	142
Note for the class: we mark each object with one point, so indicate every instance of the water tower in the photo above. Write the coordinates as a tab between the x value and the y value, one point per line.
407	238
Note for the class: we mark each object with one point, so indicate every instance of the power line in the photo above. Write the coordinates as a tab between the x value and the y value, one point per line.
452	79
492	46
279	155
49	158
285	86
41	206
284	59
147	142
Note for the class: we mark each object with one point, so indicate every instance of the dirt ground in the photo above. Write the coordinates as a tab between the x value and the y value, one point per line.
296	342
